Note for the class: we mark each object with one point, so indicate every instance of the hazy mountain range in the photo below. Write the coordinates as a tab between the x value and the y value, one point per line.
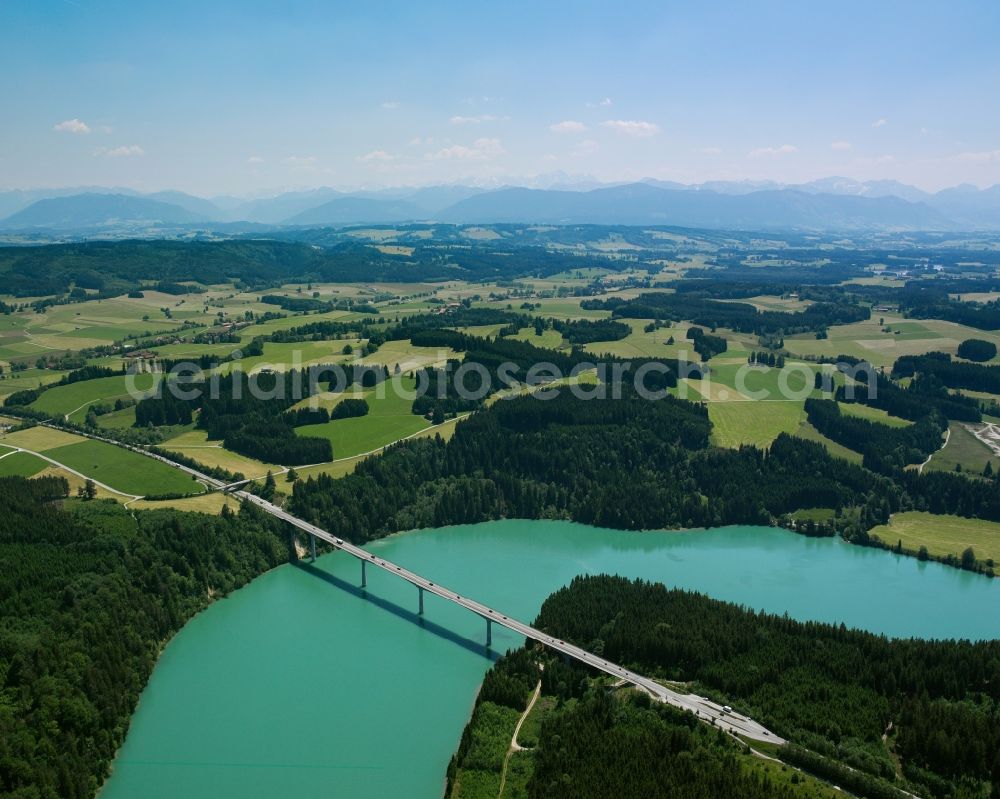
833	203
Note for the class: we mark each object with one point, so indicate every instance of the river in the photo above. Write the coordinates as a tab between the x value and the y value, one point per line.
302	685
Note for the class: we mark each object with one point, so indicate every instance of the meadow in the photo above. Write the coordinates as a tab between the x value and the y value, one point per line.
942	535
389	419
124	470
883	344
73	399
20	464
962	450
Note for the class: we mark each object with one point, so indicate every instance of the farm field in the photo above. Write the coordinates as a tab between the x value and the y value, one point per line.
640	344
123	470
568	308
550	339
942	535
963	449
20	464
201	503
40	439
72	399
867	340
388	420
195	444
117	419
872	414
285	356
408	357
758	423
27	379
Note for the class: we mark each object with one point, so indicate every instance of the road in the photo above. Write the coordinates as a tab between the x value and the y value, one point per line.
706	710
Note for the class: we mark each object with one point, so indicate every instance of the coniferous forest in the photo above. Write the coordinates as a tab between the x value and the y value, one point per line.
89	593
834	693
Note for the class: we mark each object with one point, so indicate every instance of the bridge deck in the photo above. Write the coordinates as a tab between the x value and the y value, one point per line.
700	706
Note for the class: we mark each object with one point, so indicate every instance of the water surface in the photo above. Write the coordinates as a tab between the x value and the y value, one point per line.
302	685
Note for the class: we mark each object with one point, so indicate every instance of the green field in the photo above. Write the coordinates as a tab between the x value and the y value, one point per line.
125	471
872	414
550	339
21	464
389	419
759	423
72	399
942	535
962	449
870	341
29	378
195	444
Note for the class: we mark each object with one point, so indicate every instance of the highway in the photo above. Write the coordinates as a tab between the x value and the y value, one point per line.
703	708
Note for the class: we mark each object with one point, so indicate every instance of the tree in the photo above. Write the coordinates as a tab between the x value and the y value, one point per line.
974	349
969	559
292	476
267	492
87	491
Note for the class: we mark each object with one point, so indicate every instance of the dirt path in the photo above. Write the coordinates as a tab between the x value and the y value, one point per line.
947	438
514	745
81	475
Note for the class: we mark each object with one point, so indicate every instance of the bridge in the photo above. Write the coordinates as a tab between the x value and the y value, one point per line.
705	709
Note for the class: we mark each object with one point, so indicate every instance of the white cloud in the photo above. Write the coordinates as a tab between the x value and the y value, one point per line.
72	126
255	159
840	145
880	123
568	126
481	150
390	104
600	103
773	152
586	147
376	156
710	150
122	151
460	120
632	127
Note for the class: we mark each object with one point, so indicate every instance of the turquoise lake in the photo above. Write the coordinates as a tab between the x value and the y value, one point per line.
302	685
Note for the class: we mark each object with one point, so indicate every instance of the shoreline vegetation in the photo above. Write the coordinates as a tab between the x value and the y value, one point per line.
880	718
109	524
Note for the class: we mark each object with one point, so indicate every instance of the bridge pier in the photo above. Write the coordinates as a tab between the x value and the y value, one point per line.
364	575
312	547
420	592
489	633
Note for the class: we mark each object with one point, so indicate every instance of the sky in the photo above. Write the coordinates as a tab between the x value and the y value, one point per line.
250	98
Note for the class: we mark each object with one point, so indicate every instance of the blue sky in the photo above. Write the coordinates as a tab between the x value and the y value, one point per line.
248	97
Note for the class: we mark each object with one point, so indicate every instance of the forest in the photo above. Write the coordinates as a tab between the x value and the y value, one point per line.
832	691
954	374
885	449
252	423
926	394
701	309
625	463
113	268
88	595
